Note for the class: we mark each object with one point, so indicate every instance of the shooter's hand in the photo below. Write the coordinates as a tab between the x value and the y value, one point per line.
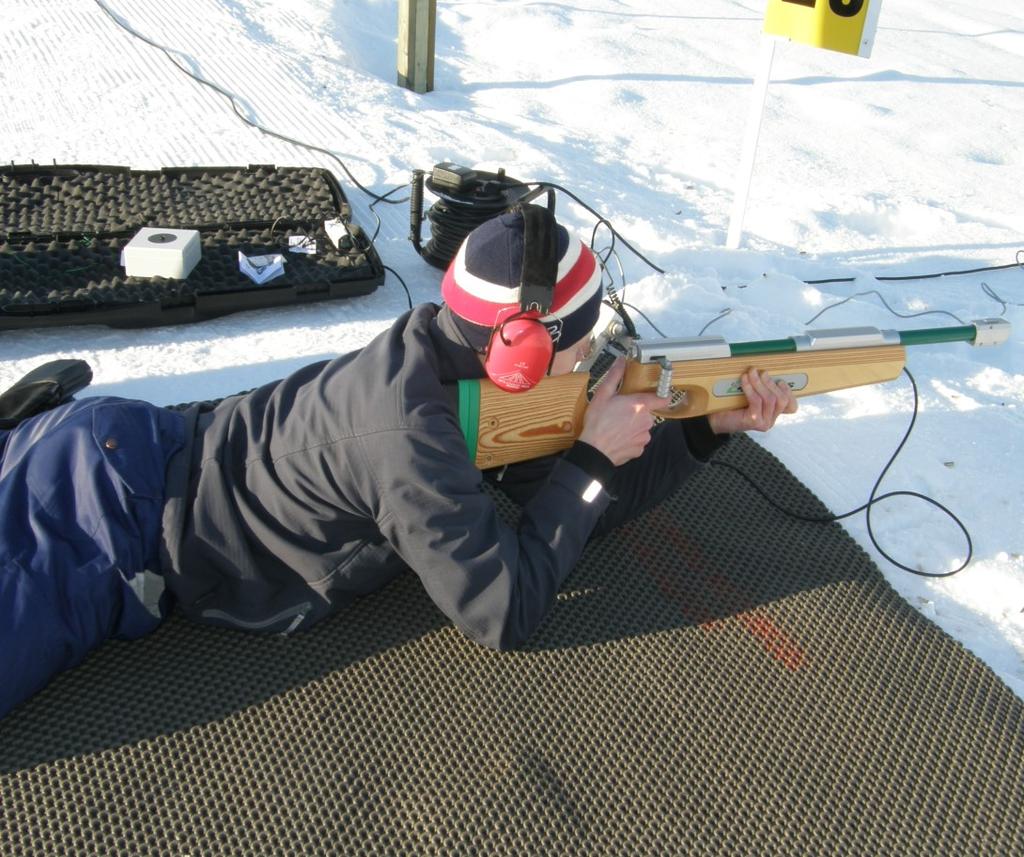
767	400
619	425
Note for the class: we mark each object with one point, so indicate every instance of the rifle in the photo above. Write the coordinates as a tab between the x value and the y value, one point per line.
503	428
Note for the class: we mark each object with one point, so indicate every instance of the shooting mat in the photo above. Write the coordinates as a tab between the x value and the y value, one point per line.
62	230
714	679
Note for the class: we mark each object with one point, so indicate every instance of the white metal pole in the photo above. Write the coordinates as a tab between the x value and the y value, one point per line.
746	171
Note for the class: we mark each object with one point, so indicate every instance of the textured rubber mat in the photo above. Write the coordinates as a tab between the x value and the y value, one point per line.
714	679
62	229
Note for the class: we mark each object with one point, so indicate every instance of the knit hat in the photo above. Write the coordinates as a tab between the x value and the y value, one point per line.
481	285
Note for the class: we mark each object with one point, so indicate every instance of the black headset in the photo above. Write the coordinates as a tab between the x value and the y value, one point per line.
522	348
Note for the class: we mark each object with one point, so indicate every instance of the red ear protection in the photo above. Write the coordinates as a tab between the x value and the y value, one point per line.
522	349
519	354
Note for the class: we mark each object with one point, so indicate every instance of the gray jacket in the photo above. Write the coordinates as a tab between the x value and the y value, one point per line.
308	492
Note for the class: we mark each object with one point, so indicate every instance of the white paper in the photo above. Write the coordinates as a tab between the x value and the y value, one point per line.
261	269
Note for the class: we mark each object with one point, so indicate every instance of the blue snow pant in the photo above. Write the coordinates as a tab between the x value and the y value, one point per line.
81	499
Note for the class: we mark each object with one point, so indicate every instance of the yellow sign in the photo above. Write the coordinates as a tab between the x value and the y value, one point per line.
836	25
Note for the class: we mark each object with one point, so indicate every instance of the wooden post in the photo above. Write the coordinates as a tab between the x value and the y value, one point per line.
416	44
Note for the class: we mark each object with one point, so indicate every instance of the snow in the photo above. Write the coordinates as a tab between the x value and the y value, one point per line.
907	162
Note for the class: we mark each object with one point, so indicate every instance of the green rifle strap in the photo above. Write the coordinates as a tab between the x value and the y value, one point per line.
469	413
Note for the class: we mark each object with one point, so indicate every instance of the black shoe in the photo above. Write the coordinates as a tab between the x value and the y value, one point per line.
45	387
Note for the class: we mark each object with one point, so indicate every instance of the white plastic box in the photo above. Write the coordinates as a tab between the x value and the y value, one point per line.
159	252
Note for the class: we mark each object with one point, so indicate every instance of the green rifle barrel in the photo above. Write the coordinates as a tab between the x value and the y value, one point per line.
927	336
933	335
762	346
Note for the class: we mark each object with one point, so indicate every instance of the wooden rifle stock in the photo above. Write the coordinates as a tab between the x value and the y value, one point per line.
713	385
503	428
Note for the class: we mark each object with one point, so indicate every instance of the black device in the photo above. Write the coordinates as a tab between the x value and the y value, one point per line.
466	197
451	177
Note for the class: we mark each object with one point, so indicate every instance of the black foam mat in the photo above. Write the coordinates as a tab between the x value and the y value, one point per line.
714	679
62	230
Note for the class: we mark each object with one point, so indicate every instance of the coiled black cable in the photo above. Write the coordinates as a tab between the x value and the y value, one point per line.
456	213
873	498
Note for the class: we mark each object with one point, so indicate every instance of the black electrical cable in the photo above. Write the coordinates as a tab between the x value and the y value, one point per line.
990	292
885	303
616	299
408	296
644	316
600	219
1017	264
873	499
234	106
718	317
